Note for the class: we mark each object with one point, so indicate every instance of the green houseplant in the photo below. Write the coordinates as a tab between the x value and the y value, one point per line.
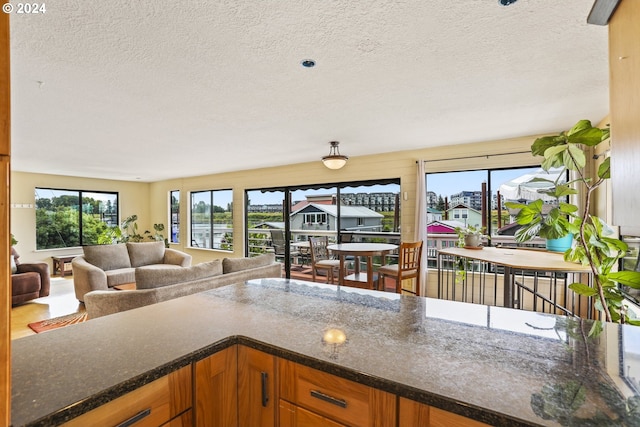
128	232
595	244
552	225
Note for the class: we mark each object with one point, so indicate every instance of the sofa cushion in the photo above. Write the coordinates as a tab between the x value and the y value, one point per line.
155	277
146	253
231	265
107	257
120	276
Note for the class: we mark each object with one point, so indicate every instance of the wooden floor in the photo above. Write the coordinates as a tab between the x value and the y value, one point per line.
61	300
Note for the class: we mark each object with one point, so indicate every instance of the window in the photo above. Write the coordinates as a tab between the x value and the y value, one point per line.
174	216
69	218
212	219
483	194
315	218
360	211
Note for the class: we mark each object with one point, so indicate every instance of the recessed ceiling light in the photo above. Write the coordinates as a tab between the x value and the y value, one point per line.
308	63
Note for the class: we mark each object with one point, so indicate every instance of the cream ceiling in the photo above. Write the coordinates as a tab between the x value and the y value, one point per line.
155	89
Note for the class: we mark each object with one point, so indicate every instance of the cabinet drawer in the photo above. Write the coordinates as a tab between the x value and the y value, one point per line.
294	416
151	405
336	398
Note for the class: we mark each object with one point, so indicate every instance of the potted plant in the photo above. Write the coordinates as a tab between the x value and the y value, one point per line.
595	244
470	236
553	224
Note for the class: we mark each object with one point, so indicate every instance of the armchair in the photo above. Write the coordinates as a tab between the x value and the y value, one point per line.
29	280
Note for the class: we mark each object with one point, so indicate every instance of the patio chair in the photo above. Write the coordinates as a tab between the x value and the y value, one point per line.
279	245
320	259
408	267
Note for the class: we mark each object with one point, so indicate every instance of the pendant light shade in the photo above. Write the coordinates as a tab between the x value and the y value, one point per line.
334	160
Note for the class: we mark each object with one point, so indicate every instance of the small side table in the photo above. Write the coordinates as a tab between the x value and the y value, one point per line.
59	263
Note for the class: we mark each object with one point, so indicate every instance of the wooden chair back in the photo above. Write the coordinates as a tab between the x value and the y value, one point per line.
408	267
318	248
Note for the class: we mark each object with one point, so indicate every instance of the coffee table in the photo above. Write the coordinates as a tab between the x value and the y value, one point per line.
125	287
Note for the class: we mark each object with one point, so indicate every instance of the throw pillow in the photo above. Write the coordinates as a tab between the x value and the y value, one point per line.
14	267
231	265
147	253
149	278
107	257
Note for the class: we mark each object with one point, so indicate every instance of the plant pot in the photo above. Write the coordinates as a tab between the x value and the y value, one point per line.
472	240
561	244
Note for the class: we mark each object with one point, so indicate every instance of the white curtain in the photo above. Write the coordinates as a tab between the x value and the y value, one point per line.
420	232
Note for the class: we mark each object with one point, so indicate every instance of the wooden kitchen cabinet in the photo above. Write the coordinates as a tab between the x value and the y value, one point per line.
417	414
257	398
624	68
314	394
216	385
153	405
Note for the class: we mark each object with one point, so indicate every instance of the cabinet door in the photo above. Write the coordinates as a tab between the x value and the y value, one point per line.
417	414
256	388
216	383
294	416
150	405
624	67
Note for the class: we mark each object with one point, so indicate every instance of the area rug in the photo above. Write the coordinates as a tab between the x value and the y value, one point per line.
58	322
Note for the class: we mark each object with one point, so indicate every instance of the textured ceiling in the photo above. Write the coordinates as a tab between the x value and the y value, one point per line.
152	89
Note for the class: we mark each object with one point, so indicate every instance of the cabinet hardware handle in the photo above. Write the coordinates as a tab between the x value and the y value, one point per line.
338	402
137	417
265	392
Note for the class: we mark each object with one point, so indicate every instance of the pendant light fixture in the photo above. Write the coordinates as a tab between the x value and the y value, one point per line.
334	160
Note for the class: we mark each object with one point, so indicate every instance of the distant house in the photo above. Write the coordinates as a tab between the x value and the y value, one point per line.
433	214
465	214
443	227
315	216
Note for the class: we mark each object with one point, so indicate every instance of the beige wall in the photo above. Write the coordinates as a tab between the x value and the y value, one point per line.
150	201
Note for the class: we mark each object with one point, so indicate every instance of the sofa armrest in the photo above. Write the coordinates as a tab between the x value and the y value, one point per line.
103	303
172	256
87	277
42	268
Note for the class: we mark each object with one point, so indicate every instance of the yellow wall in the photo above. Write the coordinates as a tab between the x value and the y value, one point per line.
150	200
400	164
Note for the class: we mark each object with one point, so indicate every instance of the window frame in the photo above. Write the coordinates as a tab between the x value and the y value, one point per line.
174	217
225	246
80	195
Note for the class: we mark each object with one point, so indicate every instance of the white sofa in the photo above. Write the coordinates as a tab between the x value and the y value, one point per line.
104	266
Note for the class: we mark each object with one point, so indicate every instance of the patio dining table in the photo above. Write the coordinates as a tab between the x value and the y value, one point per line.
358	250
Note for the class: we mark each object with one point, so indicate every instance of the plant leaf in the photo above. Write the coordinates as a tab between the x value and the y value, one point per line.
604	170
574	158
582	289
627	278
541	144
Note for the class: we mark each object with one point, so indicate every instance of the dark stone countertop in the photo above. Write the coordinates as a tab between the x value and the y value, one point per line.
501	366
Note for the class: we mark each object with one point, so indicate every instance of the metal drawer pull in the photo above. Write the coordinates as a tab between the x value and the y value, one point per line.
338	402
137	417
265	391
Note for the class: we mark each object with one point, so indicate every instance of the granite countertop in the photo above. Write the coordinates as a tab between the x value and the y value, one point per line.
498	365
